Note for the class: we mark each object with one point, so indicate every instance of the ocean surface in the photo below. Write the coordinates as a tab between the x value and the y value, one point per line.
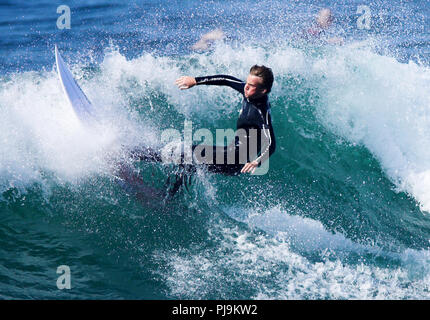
343	213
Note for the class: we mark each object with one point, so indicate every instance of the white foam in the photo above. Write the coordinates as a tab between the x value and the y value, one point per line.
246	265
384	105
304	234
40	132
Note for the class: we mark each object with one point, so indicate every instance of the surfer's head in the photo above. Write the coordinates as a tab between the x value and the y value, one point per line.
259	82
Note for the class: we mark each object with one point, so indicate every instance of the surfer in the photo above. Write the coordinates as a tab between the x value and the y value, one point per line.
254	114
254	141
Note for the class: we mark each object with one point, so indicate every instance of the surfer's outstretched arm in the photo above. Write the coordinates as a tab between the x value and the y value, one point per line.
187	82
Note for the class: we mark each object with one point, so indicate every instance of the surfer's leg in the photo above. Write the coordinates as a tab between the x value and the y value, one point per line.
133	184
221	152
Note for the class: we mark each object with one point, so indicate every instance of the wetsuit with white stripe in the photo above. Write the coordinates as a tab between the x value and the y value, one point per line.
254	114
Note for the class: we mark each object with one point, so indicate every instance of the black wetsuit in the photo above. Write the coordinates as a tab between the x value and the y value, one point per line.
254	114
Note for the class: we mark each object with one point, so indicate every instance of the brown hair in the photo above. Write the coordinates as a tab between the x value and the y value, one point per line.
265	73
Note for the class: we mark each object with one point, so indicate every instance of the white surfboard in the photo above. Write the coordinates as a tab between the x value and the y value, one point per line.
77	98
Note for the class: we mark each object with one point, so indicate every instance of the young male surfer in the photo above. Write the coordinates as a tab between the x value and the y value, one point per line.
254	125
254	141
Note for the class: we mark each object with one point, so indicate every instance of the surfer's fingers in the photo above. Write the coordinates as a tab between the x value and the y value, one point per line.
245	168
249	167
181	79
181	84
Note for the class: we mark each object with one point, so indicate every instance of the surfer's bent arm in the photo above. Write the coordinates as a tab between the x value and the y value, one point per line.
266	150
268	138
268	144
222	80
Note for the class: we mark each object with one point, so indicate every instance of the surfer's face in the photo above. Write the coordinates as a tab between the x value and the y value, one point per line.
254	87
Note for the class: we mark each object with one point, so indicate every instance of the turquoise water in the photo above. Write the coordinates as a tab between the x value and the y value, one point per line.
343	212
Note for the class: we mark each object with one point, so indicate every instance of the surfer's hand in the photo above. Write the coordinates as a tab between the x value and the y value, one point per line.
249	167
185	82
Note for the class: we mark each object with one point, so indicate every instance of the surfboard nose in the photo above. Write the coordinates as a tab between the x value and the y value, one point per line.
82	106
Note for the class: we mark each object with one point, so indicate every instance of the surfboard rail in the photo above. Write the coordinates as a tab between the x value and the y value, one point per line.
80	103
